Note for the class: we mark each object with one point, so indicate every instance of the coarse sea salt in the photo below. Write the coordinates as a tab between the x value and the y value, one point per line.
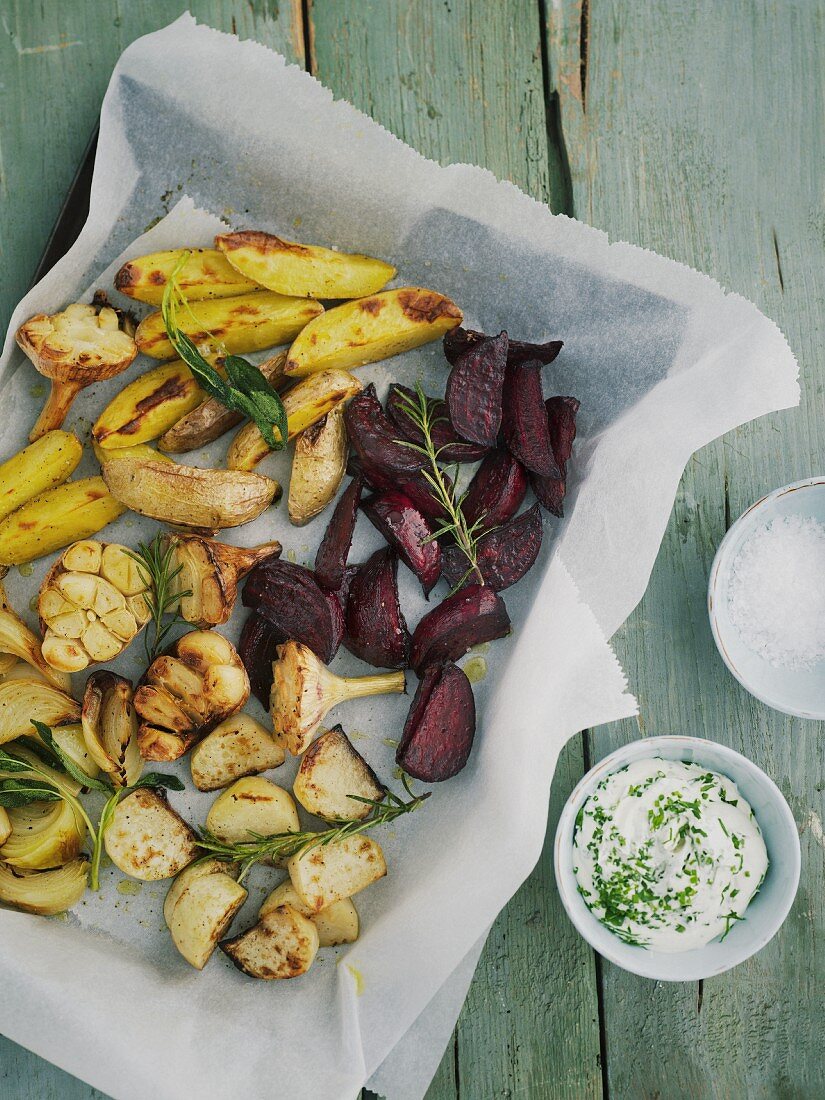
776	594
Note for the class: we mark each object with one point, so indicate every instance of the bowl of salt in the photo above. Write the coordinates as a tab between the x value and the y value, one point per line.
766	599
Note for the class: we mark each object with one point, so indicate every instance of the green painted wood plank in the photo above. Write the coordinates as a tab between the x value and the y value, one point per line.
697	132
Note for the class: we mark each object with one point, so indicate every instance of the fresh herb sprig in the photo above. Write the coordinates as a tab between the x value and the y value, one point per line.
154	561
284	845
245	390
467	535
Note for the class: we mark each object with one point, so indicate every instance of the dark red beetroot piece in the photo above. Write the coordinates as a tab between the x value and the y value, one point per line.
470	616
458	340
440	726
376	628
257	649
524	420
408	532
449	444
331	559
416	487
374	436
290	599
496	491
561	416
503	555
474	390
337	617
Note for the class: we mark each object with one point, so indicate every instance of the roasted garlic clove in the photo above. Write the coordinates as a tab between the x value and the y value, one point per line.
209	572
110	727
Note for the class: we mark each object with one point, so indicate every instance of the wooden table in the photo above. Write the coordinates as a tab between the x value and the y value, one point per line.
691	127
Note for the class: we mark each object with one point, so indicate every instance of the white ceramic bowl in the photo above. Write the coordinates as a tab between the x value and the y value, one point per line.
792	691
766	912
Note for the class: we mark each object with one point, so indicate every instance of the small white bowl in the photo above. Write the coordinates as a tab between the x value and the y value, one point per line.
766	912
800	692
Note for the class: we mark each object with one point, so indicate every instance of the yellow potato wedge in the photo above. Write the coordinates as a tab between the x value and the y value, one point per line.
368	329
252	805
338	923
331	770
250	322
331	872
56	518
318	467
43	835
147	839
206	274
23	700
204	904
281	945
305	404
44	892
42	465
148	407
306	271
238	747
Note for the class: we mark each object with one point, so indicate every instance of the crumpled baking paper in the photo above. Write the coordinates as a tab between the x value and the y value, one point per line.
662	360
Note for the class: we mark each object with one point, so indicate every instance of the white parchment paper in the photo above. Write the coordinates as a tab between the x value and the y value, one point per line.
208	131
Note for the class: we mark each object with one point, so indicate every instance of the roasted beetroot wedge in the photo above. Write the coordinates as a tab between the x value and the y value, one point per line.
376	628
561	418
408	532
375	438
257	649
440	726
449	444
331	558
290	599
474	390
458	340
496	491
472	615
416	487
524	419
337	617
503	555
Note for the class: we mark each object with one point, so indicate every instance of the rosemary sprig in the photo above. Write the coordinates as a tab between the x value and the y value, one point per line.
284	845
154	562
466	535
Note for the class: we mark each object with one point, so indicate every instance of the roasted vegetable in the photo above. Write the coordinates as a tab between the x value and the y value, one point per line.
148	407
206	274
375	438
199	908
288	597
336	924
470	616
24	700
305	404
186	495
5	826
368	329
237	747
524	421
408	532
211	419
504	555
331	770
72	743
92	604
252	805
60	780
459	340
449	444
304	691
44	835
331	558
249	322
17	641
82	345
283	944
317	467
147	839
440	726
474	390
57	518
39	467
185	693
497	490
210	571
330	872
257	648
44	892
336	601
306	271
561	416
110	727
376	627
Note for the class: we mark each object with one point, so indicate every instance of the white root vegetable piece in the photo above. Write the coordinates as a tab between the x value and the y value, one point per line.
147	839
338	923
252	805
22	700
329	872
332	770
239	746
44	892
283	944
43	835
204	899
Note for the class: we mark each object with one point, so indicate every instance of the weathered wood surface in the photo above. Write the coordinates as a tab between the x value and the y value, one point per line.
687	126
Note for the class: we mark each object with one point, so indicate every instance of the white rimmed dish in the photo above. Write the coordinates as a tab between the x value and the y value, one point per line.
800	692
765	914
